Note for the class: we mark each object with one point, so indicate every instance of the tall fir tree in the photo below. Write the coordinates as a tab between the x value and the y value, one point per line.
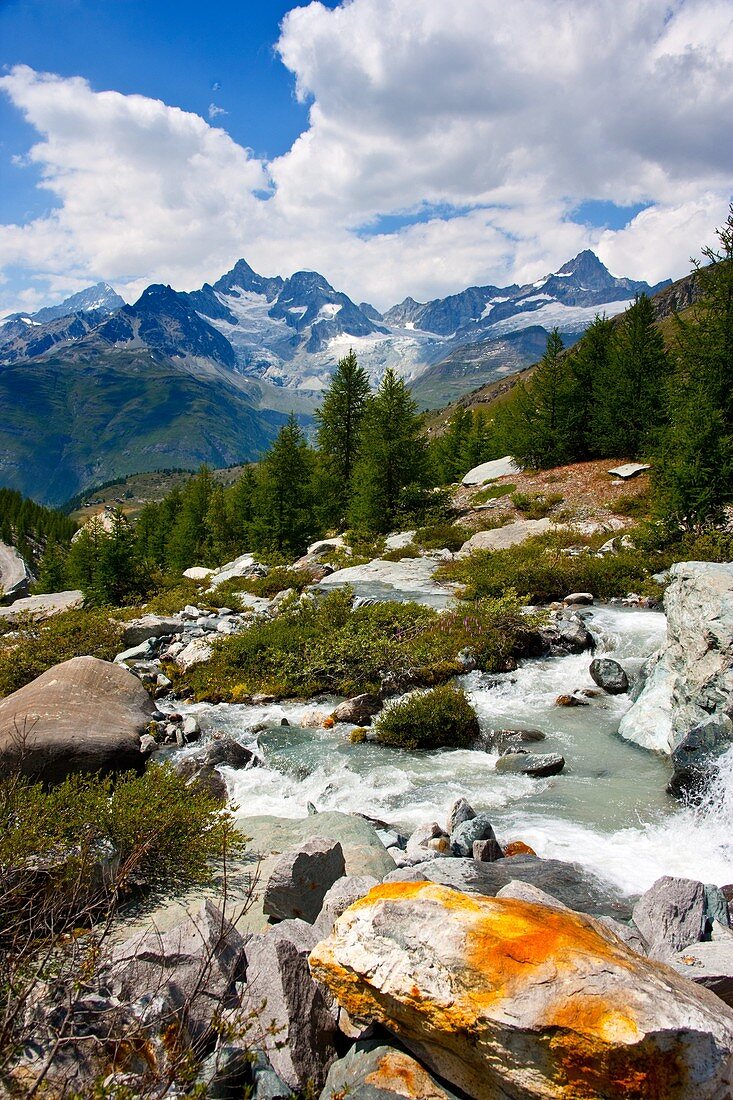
539	410
339	421
393	456
587	367
284	517
630	397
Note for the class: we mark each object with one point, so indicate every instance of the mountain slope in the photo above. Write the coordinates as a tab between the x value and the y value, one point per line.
69	423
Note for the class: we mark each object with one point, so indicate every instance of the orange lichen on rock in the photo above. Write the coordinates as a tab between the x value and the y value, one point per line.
508	997
328	723
398	1073
518	848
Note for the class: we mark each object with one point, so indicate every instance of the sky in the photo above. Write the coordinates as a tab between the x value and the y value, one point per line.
399	147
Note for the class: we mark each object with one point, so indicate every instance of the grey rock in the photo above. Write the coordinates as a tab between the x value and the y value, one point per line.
140	630
609	675
267	1084
147	743
578	599
360	710
475	828
524	891
671	915
372	1070
536	765
695	758
224	1073
42	607
194	965
460	811
190	728
301	878
627	932
195	653
136	652
344	892
421	837
84	715
691	681
283	1011
569	883
510	739
709	963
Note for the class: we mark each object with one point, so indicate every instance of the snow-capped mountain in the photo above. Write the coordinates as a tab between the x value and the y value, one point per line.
290	332
100	298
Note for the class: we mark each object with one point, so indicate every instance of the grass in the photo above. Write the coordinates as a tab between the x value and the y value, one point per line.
494	492
535	505
439	718
325	646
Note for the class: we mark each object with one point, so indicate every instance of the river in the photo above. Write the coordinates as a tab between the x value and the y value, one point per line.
607	811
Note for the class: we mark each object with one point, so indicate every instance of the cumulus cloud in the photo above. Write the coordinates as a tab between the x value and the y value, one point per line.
499	118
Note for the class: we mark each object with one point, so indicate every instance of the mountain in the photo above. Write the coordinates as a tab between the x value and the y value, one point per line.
179	378
100	298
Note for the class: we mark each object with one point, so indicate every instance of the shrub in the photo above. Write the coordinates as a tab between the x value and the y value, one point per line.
35	647
543	570
324	646
638	506
535	505
173	595
439	718
277	580
442	536
493	492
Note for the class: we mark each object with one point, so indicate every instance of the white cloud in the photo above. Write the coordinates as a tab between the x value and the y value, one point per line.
216	112
513	113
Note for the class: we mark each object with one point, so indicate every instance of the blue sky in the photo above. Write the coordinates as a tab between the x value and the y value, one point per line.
399	146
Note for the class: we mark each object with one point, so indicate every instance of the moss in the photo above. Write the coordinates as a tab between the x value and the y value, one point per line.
494	492
439	718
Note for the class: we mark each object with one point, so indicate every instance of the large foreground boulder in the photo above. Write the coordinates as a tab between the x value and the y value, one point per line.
507	999
84	715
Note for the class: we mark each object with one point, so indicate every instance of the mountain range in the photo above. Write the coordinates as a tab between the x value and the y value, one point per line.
94	388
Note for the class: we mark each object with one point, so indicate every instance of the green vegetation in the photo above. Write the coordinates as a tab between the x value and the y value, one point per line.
340	420
535	505
35	647
468	440
41	535
325	646
494	492
439	718
543	570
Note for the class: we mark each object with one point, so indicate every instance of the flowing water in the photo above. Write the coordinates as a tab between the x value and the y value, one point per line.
607	811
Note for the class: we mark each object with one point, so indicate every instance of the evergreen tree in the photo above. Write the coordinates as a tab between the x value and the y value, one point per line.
219	540
447	452
284	519
240	510
588	369
188	538
693	475
539	411
339	422
393	456
629	407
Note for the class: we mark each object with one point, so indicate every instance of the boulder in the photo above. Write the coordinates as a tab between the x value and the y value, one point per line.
408	580
508	739
535	764
694	760
284	1012
501	538
399	540
524	891
84	715
486	851
421	840
360	710
195	653
476	828
140	630
709	963
15	575
344	892
195	966
243	566
629	470
581	599
225	751
197	573
42	607
372	1070
301	878
328	546
489	471
460	811
691	680
506	999
569	883
677	912
609	675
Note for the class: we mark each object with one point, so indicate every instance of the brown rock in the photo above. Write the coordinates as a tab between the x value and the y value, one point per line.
84	715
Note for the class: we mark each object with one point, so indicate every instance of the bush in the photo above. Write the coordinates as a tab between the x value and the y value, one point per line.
35	647
442	536
173	595
323	645
543	570
439	718
535	505
277	580
493	492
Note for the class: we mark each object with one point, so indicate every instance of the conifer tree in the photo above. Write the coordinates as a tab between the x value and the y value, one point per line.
587	365
284	519
540	410
339	422
393	456
629	408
